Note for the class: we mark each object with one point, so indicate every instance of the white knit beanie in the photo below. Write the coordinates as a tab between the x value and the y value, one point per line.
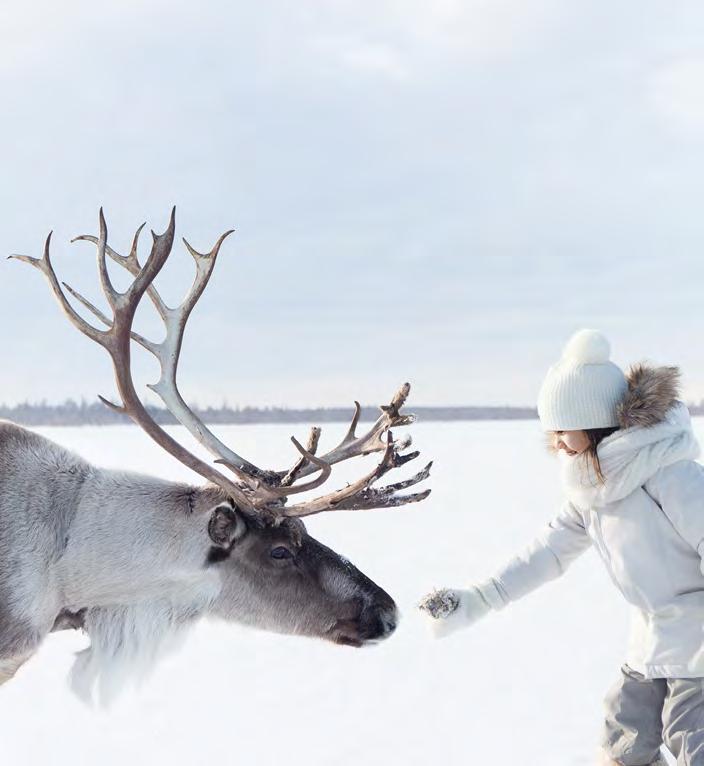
584	389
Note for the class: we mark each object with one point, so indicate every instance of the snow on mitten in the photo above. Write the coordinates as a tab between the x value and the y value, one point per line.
454	609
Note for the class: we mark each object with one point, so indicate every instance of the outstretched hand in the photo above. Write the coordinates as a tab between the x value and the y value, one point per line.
451	609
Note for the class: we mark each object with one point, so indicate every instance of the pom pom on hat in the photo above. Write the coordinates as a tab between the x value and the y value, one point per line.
587	347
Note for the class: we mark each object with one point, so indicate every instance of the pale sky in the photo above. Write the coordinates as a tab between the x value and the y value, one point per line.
440	192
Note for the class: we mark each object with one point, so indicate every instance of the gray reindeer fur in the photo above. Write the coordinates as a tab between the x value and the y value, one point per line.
133	556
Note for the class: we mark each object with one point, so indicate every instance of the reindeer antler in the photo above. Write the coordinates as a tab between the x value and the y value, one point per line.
256	488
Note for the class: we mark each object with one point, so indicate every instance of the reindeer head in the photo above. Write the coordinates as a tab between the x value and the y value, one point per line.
279	578
274	574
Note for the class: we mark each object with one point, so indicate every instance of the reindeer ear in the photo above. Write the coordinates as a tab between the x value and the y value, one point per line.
226	526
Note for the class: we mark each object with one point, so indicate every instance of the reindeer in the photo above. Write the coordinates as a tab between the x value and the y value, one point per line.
134	560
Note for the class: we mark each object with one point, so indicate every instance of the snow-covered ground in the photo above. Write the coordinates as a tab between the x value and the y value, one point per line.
523	687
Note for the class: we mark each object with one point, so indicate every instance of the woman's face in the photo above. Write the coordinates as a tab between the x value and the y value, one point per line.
571	442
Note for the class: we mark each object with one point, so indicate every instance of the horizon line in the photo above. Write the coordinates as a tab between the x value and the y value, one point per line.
72	413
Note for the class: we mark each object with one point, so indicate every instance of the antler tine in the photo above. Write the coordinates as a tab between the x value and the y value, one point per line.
131	263
44	265
147	344
160	251
352	430
391	489
372	499
205	262
111	294
311	447
309	457
360	495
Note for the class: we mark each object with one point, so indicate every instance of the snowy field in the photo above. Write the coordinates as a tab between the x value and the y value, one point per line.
522	687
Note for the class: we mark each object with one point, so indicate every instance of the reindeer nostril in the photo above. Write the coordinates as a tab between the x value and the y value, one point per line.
389	620
379	624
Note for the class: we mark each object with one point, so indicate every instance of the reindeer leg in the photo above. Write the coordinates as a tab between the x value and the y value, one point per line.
65	621
19	640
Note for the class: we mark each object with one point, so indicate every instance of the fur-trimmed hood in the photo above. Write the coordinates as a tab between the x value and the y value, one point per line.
652	393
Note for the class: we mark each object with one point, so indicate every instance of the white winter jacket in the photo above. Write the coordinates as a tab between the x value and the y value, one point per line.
646	521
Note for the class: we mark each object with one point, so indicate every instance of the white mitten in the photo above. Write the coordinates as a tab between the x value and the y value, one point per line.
451	610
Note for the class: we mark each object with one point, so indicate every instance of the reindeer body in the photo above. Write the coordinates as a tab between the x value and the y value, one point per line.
74	537
132	555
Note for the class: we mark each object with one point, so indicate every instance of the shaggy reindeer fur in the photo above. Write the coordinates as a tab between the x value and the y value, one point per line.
126	641
652	392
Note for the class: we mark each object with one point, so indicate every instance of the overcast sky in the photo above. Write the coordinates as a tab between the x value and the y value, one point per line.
440	192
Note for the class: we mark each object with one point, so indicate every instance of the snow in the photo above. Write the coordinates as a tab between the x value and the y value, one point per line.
523	686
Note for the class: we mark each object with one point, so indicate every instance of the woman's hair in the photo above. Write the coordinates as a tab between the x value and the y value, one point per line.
596	436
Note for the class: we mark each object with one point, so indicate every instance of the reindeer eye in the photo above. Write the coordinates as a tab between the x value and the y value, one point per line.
280	552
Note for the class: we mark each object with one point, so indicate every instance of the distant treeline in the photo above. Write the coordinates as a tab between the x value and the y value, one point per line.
72	413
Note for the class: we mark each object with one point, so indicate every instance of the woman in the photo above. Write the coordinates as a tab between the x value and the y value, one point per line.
634	492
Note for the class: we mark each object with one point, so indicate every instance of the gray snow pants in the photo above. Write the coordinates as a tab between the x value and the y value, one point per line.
641	714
